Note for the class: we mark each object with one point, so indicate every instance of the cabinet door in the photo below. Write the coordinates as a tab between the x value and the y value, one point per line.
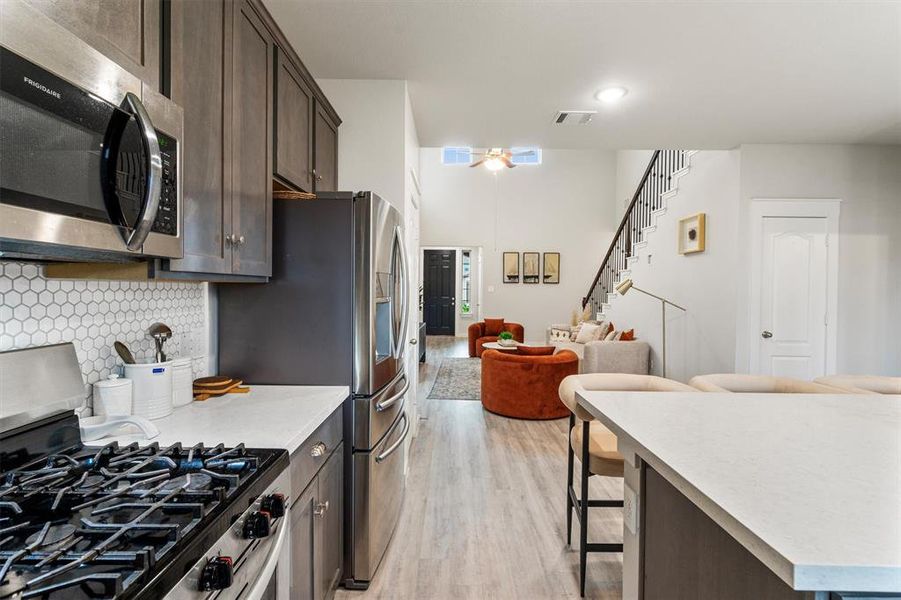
252	144
330	525
293	134
200	81
303	565
127	32
325	151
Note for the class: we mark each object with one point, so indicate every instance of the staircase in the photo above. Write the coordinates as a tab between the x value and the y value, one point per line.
658	185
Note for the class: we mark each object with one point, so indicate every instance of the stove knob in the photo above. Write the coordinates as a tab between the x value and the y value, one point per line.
217	574
274	504
257	525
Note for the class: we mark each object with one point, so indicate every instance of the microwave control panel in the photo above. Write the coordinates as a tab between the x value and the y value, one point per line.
167	216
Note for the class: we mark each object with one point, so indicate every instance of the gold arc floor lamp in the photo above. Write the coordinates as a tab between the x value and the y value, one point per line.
626	284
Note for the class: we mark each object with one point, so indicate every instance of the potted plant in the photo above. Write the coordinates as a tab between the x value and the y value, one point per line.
506	339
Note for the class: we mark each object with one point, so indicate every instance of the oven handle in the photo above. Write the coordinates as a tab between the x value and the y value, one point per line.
261	583
153	187
393	447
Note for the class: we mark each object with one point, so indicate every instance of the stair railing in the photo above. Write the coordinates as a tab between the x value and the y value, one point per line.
647	199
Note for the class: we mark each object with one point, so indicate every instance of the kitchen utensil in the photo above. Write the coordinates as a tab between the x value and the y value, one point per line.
160	332
112	396
94	428
152	393
211	387
181	382
124	353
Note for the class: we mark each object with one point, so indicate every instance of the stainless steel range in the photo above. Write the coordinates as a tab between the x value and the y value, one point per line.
130	521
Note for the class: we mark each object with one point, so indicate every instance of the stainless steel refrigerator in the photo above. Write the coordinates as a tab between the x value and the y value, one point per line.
335	312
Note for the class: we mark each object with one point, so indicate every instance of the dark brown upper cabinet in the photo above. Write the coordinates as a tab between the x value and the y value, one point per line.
222	76
201	84
252	146
293	126
325	151
128	32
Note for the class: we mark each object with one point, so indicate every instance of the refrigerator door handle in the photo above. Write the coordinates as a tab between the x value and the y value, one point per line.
405	287
388	403
400	440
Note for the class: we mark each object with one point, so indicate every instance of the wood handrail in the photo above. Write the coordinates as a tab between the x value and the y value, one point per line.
622	225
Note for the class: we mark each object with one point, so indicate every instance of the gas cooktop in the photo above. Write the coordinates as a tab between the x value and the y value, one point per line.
114	521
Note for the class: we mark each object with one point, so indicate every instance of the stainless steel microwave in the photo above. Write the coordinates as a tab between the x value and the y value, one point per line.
89	155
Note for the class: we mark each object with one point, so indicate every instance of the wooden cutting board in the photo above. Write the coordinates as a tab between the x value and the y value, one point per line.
211	387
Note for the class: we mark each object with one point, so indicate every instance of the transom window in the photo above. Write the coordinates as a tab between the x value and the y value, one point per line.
528	155
456	155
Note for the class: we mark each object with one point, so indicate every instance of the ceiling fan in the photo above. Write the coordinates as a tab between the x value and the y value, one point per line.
496	159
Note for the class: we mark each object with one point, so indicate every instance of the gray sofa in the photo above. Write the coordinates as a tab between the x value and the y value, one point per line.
607	357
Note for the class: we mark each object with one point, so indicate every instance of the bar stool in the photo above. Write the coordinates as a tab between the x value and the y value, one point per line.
863	384
598	450
758	384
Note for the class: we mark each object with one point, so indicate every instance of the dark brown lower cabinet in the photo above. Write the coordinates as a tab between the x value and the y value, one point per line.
687	556
317	532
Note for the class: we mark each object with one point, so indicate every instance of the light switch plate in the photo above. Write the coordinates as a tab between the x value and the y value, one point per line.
490	288
630	509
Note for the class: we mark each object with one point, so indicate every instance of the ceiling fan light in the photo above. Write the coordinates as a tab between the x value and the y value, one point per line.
611	94
494	164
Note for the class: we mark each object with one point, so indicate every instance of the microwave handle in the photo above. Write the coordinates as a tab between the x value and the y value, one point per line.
151	203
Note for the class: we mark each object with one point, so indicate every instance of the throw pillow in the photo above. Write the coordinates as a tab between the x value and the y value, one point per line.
494	326
574	332
560	335
610	335
627	336
587	333
535	350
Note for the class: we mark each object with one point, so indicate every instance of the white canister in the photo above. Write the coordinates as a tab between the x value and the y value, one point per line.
182	382
152	389
112	396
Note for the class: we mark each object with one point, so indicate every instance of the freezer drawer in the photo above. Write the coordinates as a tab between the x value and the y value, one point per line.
374	415
377	500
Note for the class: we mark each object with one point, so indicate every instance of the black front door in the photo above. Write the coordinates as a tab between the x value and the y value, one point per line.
438	291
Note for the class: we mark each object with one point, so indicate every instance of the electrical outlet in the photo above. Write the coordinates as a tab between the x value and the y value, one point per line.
630	509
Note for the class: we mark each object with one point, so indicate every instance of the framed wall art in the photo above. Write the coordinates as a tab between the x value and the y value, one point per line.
511	267
531	267
551	270
692	234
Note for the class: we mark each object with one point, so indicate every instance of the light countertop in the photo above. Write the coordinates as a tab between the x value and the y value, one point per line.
269	416
810	484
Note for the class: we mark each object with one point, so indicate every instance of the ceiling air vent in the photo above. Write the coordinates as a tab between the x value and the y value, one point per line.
574	117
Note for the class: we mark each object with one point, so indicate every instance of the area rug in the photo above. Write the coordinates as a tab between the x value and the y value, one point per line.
458	379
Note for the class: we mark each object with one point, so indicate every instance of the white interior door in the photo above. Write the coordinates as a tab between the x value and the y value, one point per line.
794	293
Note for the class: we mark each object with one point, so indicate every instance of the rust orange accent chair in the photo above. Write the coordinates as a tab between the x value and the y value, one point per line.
526	386
487	331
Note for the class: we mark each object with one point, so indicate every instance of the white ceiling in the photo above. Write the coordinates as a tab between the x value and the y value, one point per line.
699	74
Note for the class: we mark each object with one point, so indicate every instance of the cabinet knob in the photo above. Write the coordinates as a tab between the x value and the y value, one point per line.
318	450
229	239
321	508
241	240
316	176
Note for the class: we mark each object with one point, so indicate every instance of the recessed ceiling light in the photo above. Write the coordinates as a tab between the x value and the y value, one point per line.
611	94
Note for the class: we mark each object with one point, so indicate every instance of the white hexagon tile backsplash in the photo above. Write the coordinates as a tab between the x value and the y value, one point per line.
35	311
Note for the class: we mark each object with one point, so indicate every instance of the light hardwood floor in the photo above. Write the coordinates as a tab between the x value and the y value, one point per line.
484	515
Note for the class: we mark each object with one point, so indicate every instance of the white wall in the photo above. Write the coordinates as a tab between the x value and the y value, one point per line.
564	205
713	335
630	167
867	179
702	339
372	138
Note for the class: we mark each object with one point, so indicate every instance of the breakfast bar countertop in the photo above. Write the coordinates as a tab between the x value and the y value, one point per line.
268	416
810	484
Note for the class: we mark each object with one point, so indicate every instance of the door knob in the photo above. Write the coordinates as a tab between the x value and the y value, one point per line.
766	335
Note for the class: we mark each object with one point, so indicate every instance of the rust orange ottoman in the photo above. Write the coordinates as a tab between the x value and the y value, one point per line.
526	386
